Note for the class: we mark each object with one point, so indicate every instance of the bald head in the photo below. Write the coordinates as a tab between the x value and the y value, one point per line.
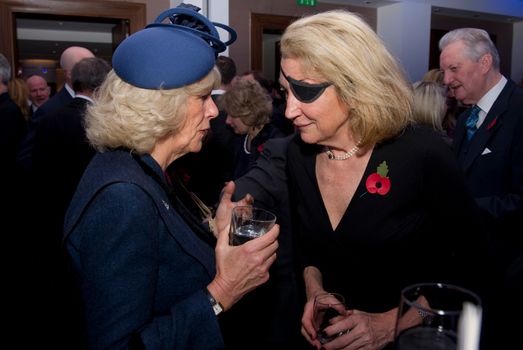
70	57
39	91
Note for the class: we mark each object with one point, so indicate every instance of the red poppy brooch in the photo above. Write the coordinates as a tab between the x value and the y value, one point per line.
378	182
492	124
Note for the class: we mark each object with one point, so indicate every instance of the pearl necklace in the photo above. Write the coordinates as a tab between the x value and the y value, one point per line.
347	155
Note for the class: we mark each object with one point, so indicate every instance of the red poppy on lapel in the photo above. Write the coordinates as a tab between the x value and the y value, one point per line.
260	148
492	123
378	182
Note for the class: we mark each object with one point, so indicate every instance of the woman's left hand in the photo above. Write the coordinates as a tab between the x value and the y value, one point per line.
222	219
368	331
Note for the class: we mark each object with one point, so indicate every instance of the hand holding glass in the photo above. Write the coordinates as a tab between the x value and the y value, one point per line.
326	307
248	223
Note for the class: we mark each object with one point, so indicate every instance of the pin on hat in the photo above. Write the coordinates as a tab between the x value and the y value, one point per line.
171	55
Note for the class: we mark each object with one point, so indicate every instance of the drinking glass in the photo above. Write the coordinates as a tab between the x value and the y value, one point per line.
249	222
437	316
326	307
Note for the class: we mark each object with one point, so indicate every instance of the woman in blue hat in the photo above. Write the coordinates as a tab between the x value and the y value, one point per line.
149	274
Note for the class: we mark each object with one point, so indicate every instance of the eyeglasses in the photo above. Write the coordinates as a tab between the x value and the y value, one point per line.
305	92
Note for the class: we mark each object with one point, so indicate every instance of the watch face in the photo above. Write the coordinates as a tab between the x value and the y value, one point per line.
217	308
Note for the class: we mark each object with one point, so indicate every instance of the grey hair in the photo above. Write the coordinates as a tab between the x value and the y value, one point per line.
249	101
477	43
5	70
89	73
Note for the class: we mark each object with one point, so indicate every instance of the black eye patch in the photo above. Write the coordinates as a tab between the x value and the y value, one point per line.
305	92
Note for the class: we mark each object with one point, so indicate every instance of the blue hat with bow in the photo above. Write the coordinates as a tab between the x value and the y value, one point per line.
171	55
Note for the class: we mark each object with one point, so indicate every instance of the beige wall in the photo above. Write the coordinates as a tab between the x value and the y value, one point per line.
240	13
153	7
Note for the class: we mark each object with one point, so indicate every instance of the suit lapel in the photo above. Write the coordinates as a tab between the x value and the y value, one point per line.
487	129
459	133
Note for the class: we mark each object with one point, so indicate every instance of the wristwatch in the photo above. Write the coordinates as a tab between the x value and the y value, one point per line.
216	306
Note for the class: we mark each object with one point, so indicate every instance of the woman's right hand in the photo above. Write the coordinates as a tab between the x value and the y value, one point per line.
240	269
307	327
313	287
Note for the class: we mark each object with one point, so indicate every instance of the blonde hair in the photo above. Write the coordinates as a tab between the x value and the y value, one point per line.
429	104
249	101
124	115
434	75
19	93
366	76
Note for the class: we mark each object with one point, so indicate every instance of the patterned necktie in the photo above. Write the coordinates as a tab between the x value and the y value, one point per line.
471	122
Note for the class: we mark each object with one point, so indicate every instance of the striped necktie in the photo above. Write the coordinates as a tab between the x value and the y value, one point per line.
471	122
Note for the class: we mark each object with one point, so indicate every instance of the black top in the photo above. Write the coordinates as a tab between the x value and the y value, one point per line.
12	130
245	161
386	242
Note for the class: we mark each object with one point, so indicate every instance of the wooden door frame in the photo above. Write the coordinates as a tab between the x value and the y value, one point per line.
261	23
133	12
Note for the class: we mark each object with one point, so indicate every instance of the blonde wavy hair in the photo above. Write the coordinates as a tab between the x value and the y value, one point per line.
366	76
430	104
434	75
19	93
124	115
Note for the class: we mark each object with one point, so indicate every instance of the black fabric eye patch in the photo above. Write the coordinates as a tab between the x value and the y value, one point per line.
305	92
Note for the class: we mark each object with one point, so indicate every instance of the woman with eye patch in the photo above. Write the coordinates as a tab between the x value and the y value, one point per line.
371	193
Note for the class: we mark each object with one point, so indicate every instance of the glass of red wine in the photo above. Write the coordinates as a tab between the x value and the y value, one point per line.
327	307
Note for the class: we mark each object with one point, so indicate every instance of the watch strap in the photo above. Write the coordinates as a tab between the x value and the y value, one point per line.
216	306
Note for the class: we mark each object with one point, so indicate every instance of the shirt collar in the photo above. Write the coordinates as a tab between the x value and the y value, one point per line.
69	90
486	102
84	97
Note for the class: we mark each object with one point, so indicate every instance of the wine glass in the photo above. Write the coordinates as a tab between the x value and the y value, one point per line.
326	307
248	222
437	316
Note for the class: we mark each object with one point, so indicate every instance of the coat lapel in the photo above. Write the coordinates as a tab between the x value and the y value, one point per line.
487	129
188	240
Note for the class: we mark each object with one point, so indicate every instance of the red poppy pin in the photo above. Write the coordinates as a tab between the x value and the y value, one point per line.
260	148
492	123
378	182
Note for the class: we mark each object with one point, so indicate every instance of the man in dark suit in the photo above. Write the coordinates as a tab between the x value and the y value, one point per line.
488	143
12	131
60	155
12	122
68	59
39	92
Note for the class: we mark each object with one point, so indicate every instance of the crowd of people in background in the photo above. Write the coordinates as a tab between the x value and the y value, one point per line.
129	174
